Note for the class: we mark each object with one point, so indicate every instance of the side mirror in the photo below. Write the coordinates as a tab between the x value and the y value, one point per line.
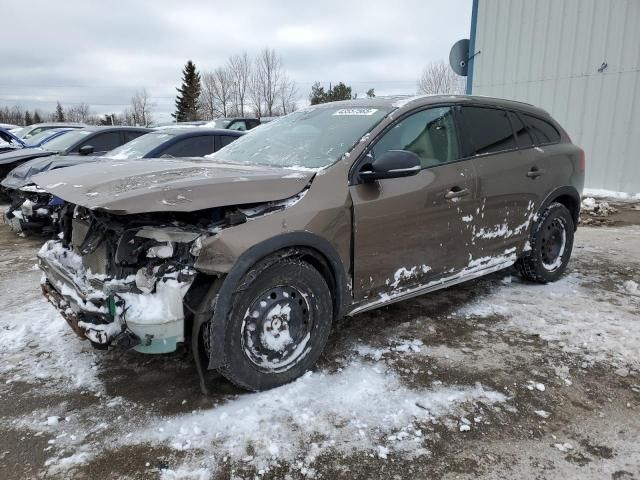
86	150
391	164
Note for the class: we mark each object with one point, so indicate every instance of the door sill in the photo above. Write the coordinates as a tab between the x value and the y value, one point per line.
389	298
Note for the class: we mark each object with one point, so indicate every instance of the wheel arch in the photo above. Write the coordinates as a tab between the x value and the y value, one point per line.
304	245
567	196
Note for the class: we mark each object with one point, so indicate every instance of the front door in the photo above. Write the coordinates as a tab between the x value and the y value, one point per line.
411	231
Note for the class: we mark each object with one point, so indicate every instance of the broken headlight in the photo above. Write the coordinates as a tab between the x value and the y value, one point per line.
152	242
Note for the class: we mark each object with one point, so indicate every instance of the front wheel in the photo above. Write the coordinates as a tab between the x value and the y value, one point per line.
278	325
551	245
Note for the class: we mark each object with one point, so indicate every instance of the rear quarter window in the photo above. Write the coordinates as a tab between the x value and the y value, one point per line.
523	136
544	133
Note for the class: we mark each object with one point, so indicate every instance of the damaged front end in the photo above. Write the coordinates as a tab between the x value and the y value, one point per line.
33	210
121	281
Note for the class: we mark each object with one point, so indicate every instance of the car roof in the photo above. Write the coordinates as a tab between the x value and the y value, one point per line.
188	132
409	102
108	128
57	124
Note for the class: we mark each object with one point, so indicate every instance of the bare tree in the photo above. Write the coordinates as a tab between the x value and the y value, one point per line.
239	67
256	98
140	109
216	97
438	78
78	113
287	95
269	75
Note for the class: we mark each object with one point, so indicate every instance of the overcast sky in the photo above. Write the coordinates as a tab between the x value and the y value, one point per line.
100	52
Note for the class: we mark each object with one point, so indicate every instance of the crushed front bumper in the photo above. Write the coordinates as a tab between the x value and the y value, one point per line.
114	312
32	212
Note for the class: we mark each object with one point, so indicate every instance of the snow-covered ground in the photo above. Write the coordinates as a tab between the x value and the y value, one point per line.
495	378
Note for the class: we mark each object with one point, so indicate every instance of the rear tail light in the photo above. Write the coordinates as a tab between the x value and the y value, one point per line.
583	161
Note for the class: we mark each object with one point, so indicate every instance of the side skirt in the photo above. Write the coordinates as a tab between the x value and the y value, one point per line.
388	299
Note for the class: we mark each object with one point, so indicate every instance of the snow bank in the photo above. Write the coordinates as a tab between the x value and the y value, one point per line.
363	407
580	319
601	193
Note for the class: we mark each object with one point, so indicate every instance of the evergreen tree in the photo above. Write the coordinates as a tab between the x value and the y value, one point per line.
36	117
59	113
371	92
318	95
27	118
340	92
188	95
334	94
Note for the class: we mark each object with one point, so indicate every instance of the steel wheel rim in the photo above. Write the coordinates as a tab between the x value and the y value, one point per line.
553	243
276	328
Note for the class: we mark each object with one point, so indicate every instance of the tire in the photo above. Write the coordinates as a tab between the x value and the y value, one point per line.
278	325
551	244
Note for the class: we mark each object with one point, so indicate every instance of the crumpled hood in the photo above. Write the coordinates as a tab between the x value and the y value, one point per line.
169	185
22	154
21	175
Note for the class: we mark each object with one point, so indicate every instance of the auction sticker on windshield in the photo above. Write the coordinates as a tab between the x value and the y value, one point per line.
355	111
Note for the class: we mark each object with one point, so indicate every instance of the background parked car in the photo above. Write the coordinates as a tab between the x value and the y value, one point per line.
9	126
8	141
31	130
32	209
39	139
85	141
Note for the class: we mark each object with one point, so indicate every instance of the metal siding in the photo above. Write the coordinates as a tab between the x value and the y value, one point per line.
547	52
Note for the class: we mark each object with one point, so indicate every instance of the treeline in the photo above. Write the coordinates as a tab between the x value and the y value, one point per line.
138	113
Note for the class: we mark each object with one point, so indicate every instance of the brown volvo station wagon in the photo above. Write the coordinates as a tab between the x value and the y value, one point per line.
249	256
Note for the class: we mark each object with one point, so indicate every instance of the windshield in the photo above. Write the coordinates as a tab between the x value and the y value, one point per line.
139	147
309	138
218	123
21	132
63	142
40	137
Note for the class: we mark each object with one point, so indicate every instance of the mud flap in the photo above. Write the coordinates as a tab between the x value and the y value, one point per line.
200	318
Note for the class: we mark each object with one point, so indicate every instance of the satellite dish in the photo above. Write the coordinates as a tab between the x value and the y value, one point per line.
459	57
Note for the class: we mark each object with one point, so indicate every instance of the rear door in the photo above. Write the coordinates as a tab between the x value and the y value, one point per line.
411	231
501	147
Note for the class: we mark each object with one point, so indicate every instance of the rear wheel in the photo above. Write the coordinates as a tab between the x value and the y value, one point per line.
551	245
278	325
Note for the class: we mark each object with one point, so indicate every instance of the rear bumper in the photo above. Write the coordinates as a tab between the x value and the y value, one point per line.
113	313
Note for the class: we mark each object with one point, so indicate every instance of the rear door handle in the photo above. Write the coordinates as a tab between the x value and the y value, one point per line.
456	192
535	172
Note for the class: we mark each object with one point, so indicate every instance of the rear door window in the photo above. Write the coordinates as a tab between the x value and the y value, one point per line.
430	134
226	140
103	142
191	147
544	132
522	133
488	129
128	136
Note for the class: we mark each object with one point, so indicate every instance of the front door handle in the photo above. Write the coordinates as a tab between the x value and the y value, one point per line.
535	172
456	192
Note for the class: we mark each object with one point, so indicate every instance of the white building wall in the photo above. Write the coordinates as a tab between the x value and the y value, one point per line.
547	52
